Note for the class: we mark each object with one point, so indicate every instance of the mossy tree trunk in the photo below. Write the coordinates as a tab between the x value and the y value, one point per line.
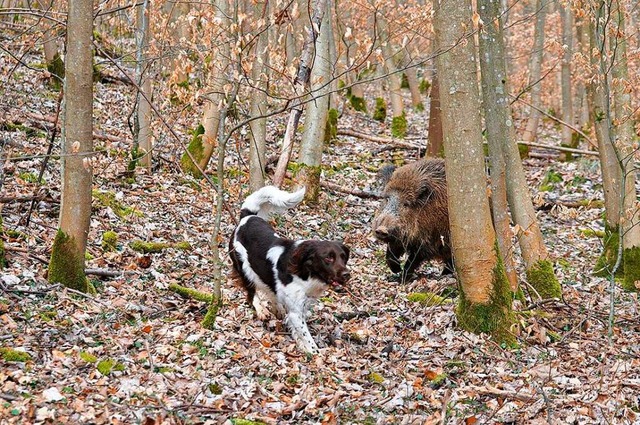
498	124
259	75
598	95
315	122
399	121
203	149
625	140
485	300
51	46
67	255
535	71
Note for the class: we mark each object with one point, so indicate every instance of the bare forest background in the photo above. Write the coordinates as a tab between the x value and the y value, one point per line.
131	132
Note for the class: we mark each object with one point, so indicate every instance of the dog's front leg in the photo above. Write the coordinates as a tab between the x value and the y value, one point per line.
300	332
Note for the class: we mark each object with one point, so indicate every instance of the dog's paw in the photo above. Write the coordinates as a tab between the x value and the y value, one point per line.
262	312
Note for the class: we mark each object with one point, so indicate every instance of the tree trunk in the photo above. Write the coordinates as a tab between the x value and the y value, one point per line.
485	298
301	84
581	109
625	138
202	148
498	123
598	94
67	255
142	147
502	141
259	72
399	121
535	72
51	46
436	147
315	122
179	29
568	138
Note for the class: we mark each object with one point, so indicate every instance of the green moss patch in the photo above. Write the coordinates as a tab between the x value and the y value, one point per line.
190	293
495	317
209	320
240	421
108	199
331	130
380	111
67	264
428	299
375	378
424	86
11	355
550	180
196	148
358	103
109	241
152	247
87	357
607	260
107	366
543	279
419	107
399	126
56	69
631	258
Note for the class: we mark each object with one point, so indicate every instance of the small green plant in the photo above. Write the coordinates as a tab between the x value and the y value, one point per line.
30	178
88	357
109	240
399	126
550	180
424	86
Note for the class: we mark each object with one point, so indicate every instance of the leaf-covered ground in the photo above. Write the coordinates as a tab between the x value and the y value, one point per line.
136	352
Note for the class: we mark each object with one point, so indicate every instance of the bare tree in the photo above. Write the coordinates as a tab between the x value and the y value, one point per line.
143	138
485	299
535	71
67	254
399	121
565	77
435	147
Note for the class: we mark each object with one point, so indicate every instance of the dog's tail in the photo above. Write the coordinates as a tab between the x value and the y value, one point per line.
270	199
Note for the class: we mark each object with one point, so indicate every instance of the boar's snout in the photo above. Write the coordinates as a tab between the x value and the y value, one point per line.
382	233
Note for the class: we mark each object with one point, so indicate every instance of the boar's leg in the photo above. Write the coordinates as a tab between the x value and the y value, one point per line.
449	268
395	250
414	259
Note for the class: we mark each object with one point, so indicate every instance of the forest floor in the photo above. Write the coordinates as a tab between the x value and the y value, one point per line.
136	352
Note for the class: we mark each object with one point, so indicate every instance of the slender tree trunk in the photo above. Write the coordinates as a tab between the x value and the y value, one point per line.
258	136
315	122
51	46
625	139
67	255
142	149
301	84
435	148
202	148
598	94
581	110
179	29
399	121
498	123
502	142
485	299
568	138
535	72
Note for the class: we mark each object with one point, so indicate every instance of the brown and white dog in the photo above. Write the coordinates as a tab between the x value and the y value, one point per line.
292	274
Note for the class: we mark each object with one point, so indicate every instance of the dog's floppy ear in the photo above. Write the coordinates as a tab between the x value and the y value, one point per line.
346	250
301	259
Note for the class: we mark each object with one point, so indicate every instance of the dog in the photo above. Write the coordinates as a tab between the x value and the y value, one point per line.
292	274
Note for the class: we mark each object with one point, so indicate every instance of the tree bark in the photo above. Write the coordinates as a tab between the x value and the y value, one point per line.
315	122
435	148
399	122
301	84
568	138
142	147
259	75
485	299
67	256
505	157
535	70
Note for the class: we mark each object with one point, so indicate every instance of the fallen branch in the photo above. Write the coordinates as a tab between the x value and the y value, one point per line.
105	272
190	293
377	139
559	148
45	197
355	192
493	391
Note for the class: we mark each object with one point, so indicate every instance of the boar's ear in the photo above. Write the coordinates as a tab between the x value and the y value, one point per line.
425	194
384	175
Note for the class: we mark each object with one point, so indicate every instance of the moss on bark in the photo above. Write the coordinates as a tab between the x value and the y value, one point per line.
309	176
631	259
495	317
607	260
196	148
209	320
331	130
190	293
543	279
399	126
67	264
56	69
380	112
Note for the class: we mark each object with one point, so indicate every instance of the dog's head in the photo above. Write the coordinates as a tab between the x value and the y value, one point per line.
324	260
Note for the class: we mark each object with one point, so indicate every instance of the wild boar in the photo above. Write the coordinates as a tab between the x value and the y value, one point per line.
413	217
